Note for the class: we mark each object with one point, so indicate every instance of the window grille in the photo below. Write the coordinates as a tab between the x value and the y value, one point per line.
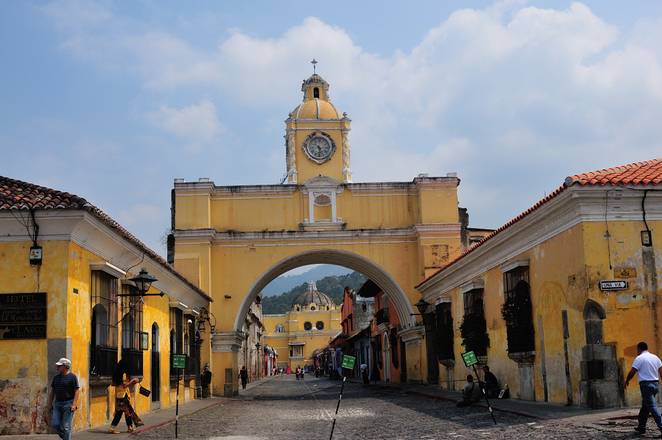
474	328
444	328
176	337
132	325
517	311
103	341
193	349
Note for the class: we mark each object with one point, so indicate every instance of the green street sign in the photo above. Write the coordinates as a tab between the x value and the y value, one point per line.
348	362
469	358
178	361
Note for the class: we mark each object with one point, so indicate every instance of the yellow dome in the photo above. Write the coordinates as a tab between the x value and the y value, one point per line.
316	109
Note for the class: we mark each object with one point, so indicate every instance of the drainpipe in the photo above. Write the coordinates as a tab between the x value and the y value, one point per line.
650	273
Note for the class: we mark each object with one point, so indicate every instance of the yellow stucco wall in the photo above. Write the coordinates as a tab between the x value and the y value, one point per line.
24	393
285	209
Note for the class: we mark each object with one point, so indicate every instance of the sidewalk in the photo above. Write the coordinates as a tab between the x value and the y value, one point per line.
534	410
152	420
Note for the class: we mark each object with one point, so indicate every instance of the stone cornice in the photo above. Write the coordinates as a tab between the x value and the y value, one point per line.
227	341
217	236
412	334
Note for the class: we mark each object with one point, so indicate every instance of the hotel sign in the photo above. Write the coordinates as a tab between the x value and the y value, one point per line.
23	315
609	285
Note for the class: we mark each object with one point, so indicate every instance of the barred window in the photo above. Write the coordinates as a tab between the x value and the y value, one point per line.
176	337
193	348
103	341
517	311
445	335
132	327
474	327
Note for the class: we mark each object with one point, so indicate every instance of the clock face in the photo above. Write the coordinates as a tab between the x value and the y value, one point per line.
319	147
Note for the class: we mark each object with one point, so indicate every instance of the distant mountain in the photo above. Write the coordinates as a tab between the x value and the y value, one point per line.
332	285
286	282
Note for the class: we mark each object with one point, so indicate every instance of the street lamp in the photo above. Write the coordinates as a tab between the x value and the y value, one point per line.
143	282
422	306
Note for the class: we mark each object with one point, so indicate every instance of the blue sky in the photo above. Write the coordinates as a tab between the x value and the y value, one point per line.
113	100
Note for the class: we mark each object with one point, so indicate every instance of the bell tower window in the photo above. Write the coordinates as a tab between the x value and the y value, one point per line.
316	92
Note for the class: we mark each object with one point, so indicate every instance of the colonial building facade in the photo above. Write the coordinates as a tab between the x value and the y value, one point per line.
311	323
557	299
69	289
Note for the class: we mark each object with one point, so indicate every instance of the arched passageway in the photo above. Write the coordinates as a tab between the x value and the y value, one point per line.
341	258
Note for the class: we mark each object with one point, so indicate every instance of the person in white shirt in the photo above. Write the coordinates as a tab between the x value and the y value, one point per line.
648	369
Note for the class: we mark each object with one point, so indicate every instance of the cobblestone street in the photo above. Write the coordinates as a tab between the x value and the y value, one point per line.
283	408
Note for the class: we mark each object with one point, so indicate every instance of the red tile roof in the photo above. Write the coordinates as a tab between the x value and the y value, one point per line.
16	195
639	173
646	173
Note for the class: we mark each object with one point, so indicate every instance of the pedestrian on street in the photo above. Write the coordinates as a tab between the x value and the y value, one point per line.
364	374
205	381
491	383
63	399
470	392
122	383
648	369
243	375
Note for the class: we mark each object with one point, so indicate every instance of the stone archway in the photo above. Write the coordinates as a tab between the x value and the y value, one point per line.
226	342
341	258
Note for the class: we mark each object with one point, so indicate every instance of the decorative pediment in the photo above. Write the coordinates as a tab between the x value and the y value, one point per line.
322	184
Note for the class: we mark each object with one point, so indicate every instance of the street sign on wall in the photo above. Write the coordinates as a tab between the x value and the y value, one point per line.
608	285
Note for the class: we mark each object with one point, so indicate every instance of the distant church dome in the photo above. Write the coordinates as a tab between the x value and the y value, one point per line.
316	103
312	297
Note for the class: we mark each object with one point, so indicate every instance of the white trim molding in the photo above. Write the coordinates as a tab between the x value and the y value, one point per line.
507	267
108	268
472	285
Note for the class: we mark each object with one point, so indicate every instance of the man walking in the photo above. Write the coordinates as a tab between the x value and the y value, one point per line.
205	381
243	375
63	398
648	368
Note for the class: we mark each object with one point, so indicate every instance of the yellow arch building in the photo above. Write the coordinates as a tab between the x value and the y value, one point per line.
233	240
312	321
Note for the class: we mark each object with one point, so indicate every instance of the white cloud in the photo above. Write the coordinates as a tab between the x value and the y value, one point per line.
512	97
196	123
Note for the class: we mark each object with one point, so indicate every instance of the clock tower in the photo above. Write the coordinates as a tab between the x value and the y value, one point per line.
316	136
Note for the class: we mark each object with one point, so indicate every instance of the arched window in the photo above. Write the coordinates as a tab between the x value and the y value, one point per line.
307	326
279	328
319	325
593	316
316	92
312	308
155	338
